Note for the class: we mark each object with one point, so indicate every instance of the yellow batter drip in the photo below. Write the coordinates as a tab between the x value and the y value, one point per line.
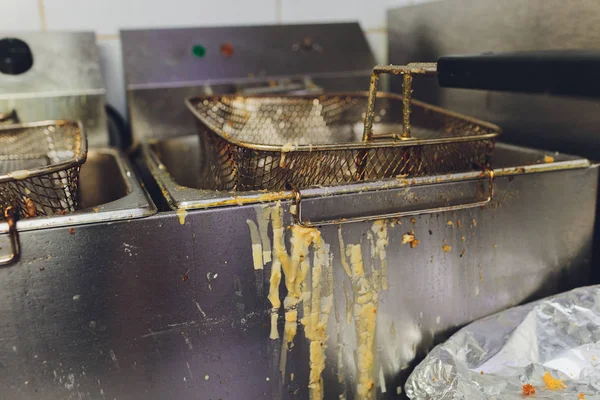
380	230
316	319
181	214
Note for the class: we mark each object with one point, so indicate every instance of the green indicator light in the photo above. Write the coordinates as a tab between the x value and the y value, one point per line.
199	51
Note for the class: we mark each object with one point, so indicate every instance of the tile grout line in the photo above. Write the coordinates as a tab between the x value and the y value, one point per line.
42	11
101	37
279	11
380	29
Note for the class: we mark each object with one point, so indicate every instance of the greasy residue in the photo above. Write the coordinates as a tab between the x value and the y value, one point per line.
181	214
365	289
301	258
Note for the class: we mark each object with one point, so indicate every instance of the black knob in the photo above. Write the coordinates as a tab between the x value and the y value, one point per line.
15	56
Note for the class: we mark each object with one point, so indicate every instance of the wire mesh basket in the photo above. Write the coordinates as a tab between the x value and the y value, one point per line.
274	142
39	167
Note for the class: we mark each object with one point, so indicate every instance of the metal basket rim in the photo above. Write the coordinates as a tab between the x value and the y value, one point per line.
191	101
79	158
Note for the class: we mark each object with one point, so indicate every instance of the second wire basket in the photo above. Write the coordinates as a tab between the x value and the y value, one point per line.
39	167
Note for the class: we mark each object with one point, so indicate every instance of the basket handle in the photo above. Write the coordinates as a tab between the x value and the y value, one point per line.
430	188
407	71
10	214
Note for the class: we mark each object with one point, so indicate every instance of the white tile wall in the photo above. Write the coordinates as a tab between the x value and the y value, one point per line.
19	15
106	17
370	13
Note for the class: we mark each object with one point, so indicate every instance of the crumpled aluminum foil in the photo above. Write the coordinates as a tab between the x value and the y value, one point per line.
493	357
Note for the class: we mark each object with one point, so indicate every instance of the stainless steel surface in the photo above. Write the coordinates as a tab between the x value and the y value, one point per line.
39	167
163	57
109	190
161	70
174	165
65	82
188	317
429	30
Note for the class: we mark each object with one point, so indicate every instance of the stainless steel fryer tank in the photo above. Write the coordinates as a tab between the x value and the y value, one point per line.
174	306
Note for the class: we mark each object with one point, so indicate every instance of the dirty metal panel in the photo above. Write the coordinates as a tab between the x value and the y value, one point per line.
158	309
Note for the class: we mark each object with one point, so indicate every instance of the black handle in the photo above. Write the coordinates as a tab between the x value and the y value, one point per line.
559	72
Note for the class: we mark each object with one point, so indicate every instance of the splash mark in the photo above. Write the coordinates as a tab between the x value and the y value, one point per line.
187	341
114	358
70	382
200	309
209	278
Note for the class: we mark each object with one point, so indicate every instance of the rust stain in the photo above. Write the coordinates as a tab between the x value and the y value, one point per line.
30	208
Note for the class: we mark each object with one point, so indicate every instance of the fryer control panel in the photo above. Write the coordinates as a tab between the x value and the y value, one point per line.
163	57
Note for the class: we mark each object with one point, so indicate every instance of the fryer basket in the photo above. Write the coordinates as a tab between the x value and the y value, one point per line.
39	167
267	142
293	142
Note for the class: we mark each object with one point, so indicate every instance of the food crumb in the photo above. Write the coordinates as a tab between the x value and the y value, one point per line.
458	223
72	231
206	377
414	243
581	396
481	373
95	209
268	379
548	159
42	268
447	248
552	383
414	221
185	277
528	390
462	238
408	238
474	222
450	223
